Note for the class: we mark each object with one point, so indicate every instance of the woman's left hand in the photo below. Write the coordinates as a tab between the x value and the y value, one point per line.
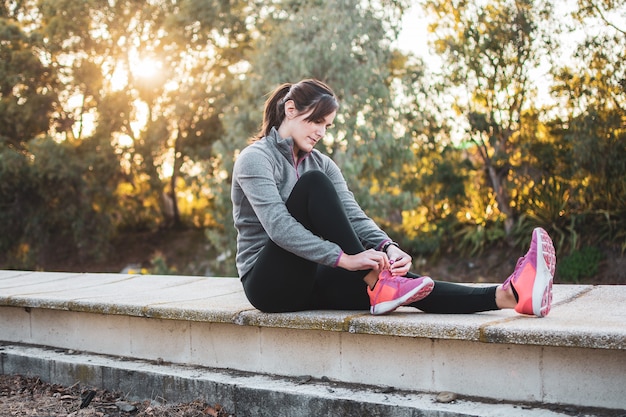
400	261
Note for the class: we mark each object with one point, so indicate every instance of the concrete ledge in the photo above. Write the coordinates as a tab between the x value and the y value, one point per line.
583	316
577	355
253	395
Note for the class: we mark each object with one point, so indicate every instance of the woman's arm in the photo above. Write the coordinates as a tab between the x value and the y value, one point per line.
254	174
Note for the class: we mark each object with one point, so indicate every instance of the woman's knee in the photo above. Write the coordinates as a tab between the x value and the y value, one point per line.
314	183
315	177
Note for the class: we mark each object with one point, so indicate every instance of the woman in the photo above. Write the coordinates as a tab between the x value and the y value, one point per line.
304	242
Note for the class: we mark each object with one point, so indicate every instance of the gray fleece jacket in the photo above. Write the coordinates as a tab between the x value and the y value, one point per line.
263	176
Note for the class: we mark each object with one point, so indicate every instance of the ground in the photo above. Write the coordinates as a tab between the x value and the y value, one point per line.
30	397
187	252
22	396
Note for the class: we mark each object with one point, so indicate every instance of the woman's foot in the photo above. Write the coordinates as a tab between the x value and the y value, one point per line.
391	292
505	297
531	282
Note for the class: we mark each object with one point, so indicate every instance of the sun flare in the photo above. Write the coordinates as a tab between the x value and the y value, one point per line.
140	68
146	68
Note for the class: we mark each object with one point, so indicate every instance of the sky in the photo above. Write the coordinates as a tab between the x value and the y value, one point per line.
414	31
414	34
414	28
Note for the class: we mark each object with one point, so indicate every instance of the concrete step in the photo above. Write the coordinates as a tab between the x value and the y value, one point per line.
255	395
575	357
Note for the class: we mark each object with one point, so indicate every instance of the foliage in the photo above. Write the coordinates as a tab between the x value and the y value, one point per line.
489	51
322	39
579	264
48	199
159	266
27	87
128	115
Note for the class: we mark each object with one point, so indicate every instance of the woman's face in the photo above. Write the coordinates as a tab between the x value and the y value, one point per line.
305	133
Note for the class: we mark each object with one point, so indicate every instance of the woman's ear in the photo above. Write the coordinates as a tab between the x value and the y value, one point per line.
290	109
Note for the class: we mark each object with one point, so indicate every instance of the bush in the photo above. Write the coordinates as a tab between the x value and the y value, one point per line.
580	264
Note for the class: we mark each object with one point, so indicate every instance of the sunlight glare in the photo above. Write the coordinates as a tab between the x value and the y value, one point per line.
146	67
141	117
85	123
125	141
143	68
119	78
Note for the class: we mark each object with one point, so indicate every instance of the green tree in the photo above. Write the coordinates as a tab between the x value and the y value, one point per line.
52	204
161	63
27	86
489	50
591	129
348	45
77	74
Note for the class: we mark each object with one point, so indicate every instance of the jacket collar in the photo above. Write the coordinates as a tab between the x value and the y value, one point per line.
284	146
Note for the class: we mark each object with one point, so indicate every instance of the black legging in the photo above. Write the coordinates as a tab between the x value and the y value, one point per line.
281	281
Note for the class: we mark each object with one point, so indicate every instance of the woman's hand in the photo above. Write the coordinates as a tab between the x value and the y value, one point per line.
400	261
368	259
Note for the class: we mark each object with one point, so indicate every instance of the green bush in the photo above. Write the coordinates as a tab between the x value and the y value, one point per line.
580	264
160	267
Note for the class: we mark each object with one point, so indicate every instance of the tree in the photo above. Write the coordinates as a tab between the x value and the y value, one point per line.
591	128
489	51
346	44
78	74
27	86
44	198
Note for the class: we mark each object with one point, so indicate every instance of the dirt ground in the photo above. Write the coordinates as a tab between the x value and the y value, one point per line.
30	397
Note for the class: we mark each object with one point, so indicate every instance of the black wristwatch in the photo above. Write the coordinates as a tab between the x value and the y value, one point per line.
390	243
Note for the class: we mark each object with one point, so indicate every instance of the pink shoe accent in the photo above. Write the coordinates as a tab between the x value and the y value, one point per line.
533	276
391	292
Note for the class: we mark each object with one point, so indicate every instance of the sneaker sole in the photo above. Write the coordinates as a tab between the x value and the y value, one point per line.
410	297
546	264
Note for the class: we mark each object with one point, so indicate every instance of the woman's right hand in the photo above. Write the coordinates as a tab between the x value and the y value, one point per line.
368	259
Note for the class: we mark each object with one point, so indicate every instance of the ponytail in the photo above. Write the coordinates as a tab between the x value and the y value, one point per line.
274	111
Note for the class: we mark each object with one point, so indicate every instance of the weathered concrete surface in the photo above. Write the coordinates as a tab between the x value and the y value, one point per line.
582	316
254	395
576	355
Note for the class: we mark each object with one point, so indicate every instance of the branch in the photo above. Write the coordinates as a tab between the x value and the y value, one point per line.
604	19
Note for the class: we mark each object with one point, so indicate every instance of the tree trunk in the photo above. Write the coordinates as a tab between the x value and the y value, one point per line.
502	197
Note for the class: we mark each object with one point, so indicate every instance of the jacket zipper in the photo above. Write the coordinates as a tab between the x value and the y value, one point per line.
296	162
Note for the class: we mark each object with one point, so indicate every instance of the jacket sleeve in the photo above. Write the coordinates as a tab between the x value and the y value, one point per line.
255	177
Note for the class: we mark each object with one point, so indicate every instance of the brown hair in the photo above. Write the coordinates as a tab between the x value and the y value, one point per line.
308	95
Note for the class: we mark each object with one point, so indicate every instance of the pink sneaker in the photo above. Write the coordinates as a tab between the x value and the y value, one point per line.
391	292
533	276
